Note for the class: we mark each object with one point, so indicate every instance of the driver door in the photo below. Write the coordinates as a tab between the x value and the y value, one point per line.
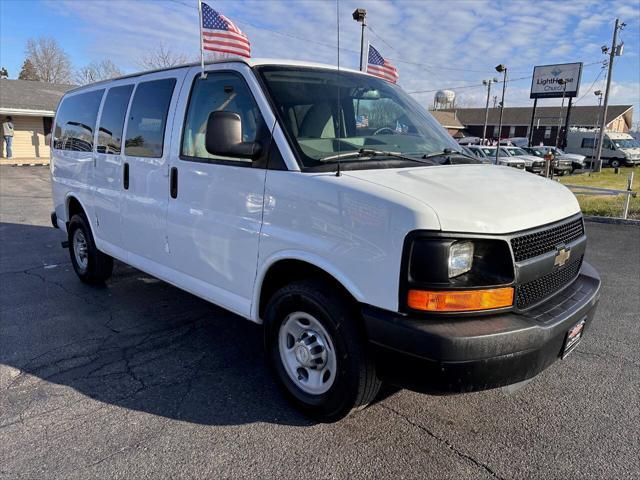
215	206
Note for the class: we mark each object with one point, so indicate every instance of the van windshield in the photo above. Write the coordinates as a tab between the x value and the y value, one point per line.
329	114
624	143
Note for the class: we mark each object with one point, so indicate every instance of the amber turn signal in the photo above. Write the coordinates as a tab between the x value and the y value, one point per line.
460	300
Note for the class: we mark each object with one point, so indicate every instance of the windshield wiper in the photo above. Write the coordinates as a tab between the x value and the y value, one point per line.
366	152
447	152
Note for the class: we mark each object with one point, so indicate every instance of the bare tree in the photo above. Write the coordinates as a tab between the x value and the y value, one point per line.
96	71
50	61
162	57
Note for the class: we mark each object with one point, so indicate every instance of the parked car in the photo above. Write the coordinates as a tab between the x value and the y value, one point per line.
519	141
365	256
489	153
532	163
561	166
469	140
578	162
617	148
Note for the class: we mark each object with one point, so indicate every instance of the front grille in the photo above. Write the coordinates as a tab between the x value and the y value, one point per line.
533	292
539	243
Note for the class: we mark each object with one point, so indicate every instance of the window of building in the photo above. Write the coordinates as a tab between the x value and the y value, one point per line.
148	118
512	132
547	132
76	121
112	119
227	92
588	142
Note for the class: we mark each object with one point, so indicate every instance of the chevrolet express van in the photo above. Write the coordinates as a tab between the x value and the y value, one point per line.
618	148
331	208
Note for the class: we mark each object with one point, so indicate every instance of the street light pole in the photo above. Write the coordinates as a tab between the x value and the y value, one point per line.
359	15
563	82
486	110
501	69
615	50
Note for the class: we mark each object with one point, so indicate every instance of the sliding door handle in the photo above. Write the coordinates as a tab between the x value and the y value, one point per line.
173	183
125	177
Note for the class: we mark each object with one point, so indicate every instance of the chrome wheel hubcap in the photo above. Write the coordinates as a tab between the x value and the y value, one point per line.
80	249
307	353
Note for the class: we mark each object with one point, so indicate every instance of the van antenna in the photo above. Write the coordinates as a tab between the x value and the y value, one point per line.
338	85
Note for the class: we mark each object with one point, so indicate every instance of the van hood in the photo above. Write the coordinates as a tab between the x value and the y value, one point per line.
479	198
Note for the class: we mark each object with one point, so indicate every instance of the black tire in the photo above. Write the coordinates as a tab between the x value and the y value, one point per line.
615	163
355	384
99	266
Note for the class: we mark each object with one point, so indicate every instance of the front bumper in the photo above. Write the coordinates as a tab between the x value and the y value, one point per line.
477	353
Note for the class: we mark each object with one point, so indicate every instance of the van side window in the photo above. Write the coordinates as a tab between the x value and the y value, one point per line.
148	118
588	142
76	122
112	119
226	92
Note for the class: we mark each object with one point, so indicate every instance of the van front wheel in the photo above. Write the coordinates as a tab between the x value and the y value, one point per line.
317	350
91	265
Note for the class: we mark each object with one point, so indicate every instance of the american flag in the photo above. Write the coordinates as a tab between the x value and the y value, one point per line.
378	66
219	34
362	121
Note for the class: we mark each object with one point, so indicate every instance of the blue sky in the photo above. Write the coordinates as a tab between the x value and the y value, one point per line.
434	44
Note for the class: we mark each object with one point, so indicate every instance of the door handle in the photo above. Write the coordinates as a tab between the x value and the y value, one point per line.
173	183
125	179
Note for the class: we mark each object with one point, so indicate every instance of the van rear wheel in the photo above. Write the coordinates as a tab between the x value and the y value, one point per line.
91	265
318	352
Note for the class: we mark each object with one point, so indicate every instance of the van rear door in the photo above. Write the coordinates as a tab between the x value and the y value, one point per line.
145	171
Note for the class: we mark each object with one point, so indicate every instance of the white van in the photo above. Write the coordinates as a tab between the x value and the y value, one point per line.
617	148
334	210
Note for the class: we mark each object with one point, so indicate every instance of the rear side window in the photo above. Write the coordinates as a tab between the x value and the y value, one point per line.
76	122
588	142
112	119
148	118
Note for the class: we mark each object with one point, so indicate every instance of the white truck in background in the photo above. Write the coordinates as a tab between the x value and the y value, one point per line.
617	149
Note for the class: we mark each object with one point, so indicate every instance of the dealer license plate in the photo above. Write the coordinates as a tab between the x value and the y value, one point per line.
574	335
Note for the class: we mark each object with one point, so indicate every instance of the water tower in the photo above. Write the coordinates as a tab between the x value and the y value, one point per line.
444	99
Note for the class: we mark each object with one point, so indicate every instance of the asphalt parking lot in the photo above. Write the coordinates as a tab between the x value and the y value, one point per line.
141	380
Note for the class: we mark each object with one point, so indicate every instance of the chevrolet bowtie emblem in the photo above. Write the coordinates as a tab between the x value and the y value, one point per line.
561	257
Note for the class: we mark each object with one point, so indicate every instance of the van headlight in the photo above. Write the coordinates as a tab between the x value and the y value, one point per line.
460	258
468	268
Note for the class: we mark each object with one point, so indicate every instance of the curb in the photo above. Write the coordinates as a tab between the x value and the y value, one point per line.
611	220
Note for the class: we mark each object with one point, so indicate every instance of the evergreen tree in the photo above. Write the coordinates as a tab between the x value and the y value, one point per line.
28	71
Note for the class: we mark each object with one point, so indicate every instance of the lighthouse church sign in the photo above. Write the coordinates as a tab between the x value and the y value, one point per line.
547	82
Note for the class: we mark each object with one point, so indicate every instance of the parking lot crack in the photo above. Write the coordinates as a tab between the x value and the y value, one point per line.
444	442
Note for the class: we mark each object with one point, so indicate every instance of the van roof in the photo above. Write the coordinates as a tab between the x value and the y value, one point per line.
251	62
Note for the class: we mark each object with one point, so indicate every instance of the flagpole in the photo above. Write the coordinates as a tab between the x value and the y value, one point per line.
202	74
366	64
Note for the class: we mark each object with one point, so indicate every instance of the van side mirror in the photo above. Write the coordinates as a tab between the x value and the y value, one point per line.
224	137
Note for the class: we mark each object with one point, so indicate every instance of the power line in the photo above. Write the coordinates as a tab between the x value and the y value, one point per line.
427	65
482	85
591	87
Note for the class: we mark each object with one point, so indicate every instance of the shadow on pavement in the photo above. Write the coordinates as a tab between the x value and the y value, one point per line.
136	342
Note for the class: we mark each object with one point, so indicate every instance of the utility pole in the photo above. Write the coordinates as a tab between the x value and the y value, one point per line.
616	50
359	15
501	69
563	82
495	101
597	93
486	110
